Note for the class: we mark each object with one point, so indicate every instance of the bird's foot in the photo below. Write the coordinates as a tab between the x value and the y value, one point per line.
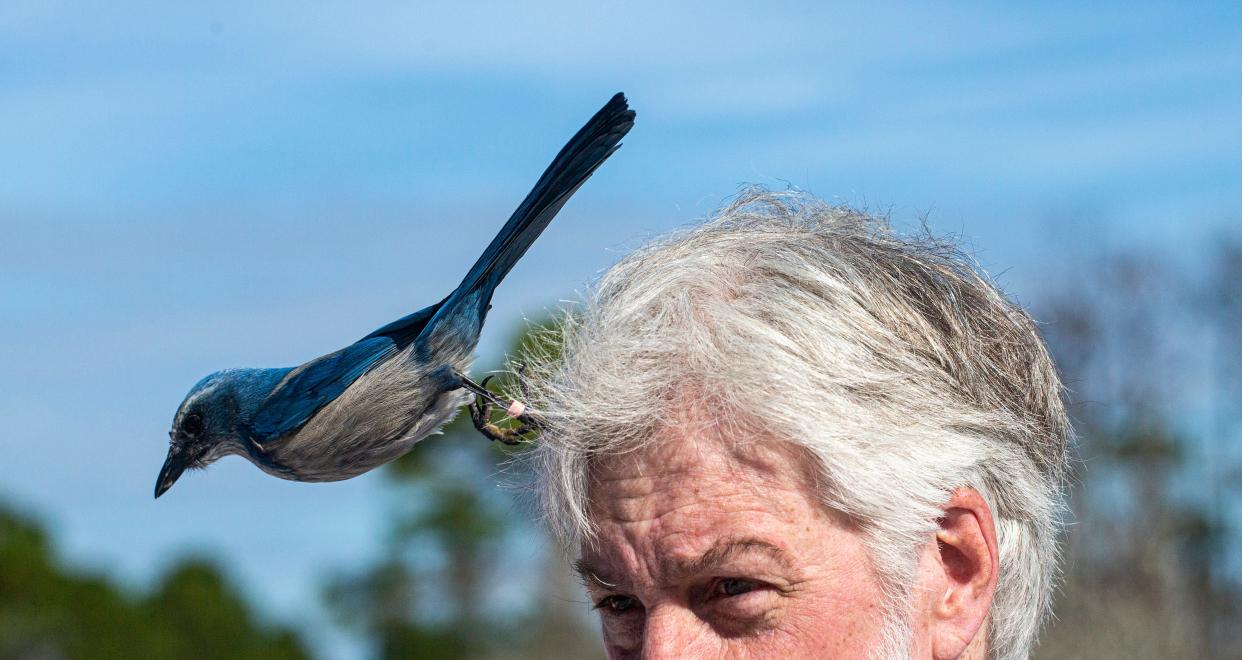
485	402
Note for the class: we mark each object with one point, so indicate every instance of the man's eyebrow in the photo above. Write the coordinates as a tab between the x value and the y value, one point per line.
725	550
720	553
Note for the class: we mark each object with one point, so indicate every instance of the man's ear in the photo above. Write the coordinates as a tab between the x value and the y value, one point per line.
969	561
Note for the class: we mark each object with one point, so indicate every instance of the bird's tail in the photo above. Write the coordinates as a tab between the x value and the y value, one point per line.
465	308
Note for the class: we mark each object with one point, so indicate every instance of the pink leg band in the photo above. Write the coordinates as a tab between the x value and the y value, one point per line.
516	409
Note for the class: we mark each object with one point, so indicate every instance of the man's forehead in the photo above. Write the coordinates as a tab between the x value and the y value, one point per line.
685	498
683	464
666	476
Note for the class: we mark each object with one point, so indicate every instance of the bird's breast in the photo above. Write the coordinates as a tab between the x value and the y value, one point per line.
377	419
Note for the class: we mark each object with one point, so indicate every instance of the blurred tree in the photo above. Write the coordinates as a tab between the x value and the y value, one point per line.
1151	351
468	572
48	612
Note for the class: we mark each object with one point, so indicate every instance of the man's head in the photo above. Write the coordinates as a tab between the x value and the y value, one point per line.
790	432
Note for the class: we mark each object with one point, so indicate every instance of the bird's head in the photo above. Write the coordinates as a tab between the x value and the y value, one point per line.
205	428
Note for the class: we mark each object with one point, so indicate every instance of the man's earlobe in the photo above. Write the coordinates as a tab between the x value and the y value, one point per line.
969	558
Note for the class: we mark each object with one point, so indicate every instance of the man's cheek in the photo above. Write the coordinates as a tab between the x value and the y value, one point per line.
837	624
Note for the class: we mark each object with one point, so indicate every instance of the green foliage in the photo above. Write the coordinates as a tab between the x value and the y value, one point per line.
48	611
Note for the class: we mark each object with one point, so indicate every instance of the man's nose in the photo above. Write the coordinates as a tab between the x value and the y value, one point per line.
674	632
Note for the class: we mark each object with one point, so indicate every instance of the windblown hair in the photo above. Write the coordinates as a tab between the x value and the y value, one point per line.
899	368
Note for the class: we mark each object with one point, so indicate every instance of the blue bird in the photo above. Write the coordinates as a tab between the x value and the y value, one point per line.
353	410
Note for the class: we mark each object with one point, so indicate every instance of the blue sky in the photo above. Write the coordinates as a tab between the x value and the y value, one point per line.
253	184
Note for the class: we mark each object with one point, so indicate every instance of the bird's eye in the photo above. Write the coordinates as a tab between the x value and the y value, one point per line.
192	424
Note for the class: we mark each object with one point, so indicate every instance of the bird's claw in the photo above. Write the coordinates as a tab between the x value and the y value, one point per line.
481	414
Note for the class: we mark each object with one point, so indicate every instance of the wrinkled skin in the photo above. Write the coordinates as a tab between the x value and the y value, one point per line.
709	552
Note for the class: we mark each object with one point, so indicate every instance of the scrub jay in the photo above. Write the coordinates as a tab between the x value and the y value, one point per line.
348	412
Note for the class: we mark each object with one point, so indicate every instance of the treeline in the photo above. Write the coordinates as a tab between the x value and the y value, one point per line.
48	612
1150	346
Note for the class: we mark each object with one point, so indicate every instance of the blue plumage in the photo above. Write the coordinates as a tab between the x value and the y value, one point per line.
313	385
352	410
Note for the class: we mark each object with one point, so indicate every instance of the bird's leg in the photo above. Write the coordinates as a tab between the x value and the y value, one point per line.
480	389
481	413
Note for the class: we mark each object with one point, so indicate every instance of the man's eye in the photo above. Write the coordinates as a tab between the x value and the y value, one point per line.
734	587
616	604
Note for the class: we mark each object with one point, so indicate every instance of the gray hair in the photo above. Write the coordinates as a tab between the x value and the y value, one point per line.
891	360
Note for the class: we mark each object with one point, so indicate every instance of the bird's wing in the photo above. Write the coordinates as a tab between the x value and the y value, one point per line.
406	328
312	386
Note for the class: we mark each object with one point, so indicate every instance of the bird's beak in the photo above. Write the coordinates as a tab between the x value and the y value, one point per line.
174	465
